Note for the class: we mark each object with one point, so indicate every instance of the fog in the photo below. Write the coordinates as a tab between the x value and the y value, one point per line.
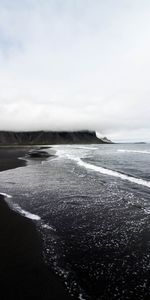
76	64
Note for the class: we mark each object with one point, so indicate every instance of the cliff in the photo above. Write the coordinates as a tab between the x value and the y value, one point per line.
48	137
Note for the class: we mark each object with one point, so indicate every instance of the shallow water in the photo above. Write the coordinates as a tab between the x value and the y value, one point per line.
92	207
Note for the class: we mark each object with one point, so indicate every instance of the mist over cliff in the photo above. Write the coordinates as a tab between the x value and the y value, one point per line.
49	137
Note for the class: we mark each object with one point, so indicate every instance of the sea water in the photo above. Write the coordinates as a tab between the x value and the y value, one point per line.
91	204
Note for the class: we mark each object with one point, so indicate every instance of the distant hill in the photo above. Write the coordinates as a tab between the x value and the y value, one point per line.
50	137
141	143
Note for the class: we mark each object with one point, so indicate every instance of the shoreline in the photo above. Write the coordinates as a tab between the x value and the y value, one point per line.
24	274
10	158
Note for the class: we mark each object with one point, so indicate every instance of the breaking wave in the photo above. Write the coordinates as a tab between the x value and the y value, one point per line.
6	195
26	213
108	172
23	212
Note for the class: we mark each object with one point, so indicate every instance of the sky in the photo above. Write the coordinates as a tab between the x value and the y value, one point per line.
76	64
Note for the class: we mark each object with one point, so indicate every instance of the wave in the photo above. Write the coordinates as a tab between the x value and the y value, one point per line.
81	297
6	195
109	172
46	226
134	151
87	148
23	212
26	213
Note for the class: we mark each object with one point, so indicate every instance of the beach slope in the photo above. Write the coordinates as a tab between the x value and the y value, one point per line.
23	273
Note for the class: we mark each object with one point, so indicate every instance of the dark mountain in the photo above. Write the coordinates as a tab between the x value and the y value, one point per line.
49	137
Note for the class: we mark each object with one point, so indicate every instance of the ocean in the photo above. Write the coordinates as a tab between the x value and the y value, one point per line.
91	204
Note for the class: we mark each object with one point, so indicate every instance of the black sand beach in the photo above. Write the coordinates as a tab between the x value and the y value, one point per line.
9	157
94	229
23	274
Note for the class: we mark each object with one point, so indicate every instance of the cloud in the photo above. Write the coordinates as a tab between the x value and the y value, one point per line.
75	65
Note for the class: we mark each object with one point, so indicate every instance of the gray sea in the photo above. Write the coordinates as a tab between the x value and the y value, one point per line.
91	204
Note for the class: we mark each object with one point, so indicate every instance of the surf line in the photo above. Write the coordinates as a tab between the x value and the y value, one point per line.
109	172
27	214
18	209
6	195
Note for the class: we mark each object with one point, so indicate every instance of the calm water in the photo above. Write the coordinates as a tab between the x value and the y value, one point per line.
92	207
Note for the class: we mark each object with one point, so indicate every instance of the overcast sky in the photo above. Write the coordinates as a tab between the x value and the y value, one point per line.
76	64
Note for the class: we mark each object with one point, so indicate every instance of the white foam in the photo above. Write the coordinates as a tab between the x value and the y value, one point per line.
133	151
81	297
22	211
48	227
87	148
6	195
147	211
26	213
109	172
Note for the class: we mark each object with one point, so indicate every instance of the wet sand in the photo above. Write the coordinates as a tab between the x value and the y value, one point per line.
9	157
23	273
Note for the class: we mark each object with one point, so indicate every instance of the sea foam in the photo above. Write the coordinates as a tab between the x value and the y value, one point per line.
108	172
22	211
26	213
6	195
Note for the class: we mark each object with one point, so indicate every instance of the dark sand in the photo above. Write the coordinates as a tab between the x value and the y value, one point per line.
9	157
23	273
